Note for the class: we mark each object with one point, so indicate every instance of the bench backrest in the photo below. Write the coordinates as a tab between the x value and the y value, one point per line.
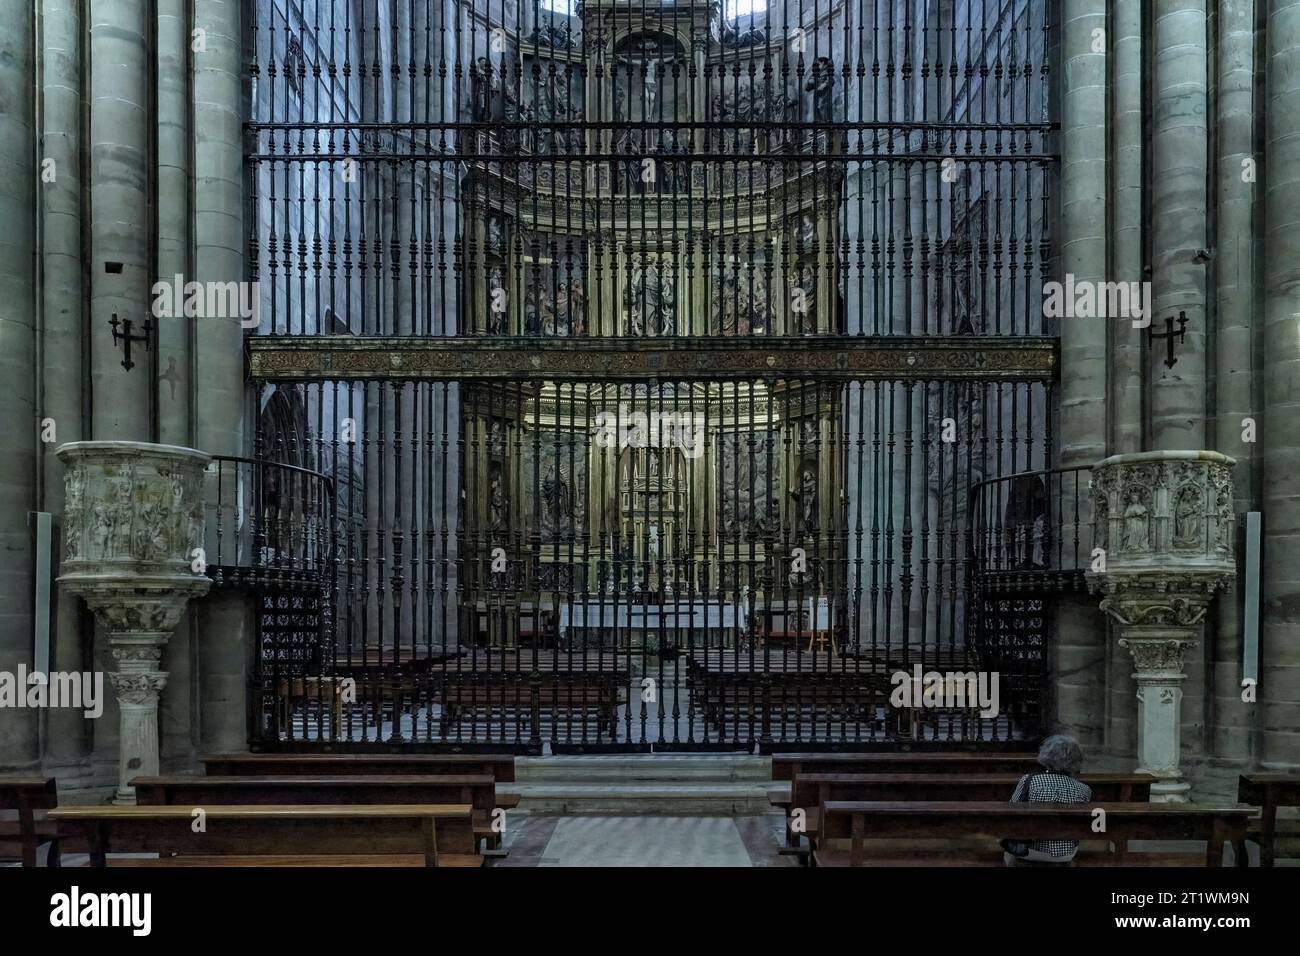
1040	821
28	793
810	791
500	766
405	828
477	790
1276	789
786	766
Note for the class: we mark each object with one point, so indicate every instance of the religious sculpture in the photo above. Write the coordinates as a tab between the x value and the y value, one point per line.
484	90
651	91
496	323
652	308
557	503
1136	524
821	85
555	37
497	504
1187	519
806	498
804	297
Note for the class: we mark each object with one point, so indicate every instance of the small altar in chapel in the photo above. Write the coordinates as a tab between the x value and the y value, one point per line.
621	622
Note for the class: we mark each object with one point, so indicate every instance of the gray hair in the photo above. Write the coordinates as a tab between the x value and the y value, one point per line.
1061	754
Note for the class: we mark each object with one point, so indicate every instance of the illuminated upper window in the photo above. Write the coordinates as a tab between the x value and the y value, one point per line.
566	7
743	8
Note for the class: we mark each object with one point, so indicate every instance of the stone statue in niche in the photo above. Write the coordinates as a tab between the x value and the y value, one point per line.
496	235
151	536
805	497
1101	520
804	296
804	233
1223	505
821	84
1137	523
72	516
181	530
1187	519
498	510
652	308
557	503
652	544
484	87
539	311
496	321
497	438
571	308
120	518
743	482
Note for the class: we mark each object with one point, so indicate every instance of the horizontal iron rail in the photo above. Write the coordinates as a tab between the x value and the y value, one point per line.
845	357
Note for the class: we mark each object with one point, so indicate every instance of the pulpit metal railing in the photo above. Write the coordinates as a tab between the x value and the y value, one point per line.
1031	542
1032	531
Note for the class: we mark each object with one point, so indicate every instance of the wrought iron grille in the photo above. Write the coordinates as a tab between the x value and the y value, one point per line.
653	350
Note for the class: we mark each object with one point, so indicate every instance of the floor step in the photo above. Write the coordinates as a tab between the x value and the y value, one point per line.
645	768
659	799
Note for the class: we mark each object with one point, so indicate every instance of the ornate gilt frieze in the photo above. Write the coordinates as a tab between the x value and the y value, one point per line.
847	358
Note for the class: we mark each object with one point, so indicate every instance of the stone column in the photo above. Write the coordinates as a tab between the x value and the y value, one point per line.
1179	205
1279	682
1128	378
1165	521
133	517
225	626
1234	287
120	223
18	418
63	316
1079	654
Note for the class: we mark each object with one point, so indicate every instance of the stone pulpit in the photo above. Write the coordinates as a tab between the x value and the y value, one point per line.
133	530
1163	523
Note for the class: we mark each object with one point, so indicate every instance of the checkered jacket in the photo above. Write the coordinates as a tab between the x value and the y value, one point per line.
1052	788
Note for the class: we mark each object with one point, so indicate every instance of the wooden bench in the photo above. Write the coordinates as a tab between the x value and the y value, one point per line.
812	791
500	766
891	820
30	797
294	859
510	699
477	790
1268	791
430	831
786	766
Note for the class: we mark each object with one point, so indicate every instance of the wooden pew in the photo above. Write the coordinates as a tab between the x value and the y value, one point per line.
785	766
812	791
893	820
477	790
1268	791
500	766
439	833
29	796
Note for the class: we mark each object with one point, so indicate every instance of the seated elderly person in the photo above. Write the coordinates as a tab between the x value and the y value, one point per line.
1061	759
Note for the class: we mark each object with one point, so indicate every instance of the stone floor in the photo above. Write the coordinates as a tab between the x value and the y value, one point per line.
598	841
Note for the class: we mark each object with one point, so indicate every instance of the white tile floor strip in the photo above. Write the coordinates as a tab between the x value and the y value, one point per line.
646	841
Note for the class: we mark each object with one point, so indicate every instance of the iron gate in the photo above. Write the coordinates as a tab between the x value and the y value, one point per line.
653	353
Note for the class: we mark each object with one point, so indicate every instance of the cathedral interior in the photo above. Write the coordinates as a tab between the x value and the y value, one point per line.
604	186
